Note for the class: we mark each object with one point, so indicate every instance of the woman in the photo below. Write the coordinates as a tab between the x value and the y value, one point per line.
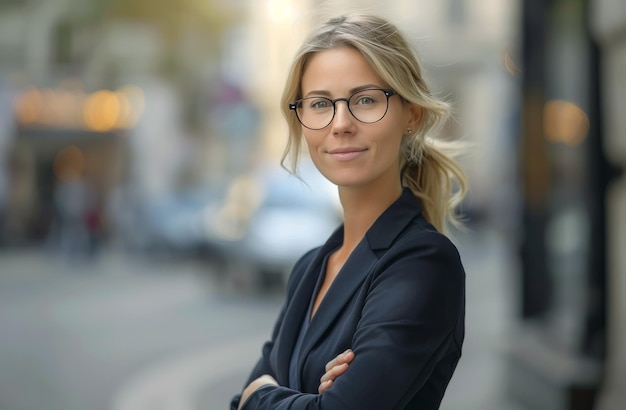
374	318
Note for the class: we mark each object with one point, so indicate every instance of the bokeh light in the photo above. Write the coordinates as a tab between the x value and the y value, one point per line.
565	122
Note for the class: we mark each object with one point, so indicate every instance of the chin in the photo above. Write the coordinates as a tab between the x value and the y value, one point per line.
346	177
346	181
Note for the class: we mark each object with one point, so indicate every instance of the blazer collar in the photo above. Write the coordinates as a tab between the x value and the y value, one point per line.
393	221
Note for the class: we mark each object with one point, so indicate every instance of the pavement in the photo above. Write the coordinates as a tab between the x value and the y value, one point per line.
97	335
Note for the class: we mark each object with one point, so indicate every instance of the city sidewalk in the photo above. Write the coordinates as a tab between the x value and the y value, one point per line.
86	335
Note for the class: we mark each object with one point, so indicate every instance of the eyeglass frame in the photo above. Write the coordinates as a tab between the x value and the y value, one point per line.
389	92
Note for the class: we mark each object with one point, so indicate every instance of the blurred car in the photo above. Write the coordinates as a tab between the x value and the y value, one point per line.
173	224
270	218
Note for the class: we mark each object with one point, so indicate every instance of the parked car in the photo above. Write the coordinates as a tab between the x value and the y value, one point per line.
270	218
173	225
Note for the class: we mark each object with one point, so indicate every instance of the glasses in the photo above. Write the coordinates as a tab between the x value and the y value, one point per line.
367	106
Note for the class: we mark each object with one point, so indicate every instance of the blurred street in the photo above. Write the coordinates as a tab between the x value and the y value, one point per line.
142	333
75	336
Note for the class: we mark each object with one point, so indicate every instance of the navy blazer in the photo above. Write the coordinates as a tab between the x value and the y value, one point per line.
398	303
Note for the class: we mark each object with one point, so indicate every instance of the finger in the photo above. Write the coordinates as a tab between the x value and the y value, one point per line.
267	379
325	386
335	372
344	357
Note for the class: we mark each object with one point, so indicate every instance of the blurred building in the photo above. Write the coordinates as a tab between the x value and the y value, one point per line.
608	24
55	129
568	353
126	85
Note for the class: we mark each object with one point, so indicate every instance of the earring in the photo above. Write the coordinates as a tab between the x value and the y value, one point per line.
409	130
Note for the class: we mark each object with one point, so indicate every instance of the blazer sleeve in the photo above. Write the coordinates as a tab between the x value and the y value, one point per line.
408	324
263	365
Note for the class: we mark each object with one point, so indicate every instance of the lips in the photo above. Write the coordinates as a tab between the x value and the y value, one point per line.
347	153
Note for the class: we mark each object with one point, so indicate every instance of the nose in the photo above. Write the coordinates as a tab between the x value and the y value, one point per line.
343	119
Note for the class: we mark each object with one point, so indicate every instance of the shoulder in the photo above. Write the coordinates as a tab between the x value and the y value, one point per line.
312	257
419	275
421	258
300	267
304	261
421	239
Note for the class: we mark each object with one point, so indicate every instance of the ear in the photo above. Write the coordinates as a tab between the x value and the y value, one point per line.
415	116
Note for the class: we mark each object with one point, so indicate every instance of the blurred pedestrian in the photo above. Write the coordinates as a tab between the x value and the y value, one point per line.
374	318
69	235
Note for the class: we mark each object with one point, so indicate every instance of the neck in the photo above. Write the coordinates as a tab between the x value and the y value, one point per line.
361	207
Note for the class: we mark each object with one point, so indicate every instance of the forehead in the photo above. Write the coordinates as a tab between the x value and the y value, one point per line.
338	70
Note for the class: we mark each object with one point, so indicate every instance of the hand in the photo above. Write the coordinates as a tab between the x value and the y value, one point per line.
254	385
334	369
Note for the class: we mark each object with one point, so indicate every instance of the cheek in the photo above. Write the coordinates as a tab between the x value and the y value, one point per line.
390	147
311	141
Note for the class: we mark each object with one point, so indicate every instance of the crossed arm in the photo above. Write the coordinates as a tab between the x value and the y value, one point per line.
335	368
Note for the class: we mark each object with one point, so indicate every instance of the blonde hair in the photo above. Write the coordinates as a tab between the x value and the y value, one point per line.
426	165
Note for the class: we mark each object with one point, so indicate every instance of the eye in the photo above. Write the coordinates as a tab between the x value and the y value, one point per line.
364	100
320	103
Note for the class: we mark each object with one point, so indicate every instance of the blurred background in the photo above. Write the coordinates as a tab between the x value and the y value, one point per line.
147	229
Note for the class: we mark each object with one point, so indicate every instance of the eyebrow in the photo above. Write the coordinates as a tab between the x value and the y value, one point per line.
351	91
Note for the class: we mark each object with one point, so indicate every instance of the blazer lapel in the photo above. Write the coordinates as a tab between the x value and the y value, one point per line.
349	279
298	308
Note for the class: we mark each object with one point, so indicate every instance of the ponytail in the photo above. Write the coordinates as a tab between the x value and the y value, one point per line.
436	180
